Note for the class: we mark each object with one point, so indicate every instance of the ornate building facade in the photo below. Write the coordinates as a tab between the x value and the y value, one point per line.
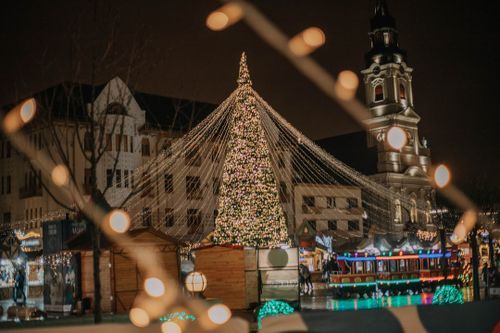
389	97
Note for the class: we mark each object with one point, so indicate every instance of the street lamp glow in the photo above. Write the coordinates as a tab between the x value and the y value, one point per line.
139	317
219	314
119	221
396	137
60	175
196	282
19	116
154	287
442	176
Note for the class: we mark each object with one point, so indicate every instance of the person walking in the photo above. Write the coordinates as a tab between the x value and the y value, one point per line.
307	279
19	286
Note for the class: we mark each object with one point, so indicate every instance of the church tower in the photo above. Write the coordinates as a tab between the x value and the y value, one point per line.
389	97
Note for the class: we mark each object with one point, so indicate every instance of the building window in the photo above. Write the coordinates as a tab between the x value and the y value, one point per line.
109	177
353	225
167	148
193	158
169	217
308	201
312	224
332	225
125	178
87	180
145	147
146	217
193	186
216	186
193	220
116	108
8	185
132	184
109	142
379	93
118	178
87	141
402	91
131	144
125	143
330	202
352	202
118	142
169	183
146	190
281	162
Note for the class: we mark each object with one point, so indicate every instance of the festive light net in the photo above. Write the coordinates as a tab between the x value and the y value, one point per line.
250	177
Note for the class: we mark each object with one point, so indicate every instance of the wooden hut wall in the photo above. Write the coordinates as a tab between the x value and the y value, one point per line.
225	272
87	271
127	279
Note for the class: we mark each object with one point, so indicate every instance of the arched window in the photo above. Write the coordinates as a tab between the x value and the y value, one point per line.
379	92
402	91
145	147
397	212
116	108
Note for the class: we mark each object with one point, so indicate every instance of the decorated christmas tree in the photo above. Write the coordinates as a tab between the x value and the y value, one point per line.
249	208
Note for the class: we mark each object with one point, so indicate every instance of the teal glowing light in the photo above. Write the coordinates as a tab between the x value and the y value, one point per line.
447	294
353	284
273	308
398	281
178	316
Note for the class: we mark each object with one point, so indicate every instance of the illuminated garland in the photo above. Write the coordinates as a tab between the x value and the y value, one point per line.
55	260
273	308
447	294
425	235
250	212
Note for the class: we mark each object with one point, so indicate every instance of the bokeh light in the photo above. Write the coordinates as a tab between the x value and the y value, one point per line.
28	109
346	86
306	41
154	287
442	176
396	137
139	317
219	314
170	327
223	17
60	175
119	221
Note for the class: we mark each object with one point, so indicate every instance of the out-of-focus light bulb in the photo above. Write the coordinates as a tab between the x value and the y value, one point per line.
28	109
154	287
139	317
219	314
396	137
170	327
306	41
224	17
442	176
119	221
60	175
346	85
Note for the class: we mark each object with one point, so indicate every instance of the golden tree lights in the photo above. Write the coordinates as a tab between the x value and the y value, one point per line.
250	211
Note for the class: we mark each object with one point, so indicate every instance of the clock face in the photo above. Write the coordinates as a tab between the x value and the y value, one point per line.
376	70
401	69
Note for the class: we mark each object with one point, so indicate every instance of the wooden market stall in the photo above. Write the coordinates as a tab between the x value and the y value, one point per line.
120	278
231	274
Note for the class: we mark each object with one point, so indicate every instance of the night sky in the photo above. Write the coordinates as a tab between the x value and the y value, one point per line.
452	46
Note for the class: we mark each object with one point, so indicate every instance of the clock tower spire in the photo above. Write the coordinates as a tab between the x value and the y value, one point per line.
389	97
